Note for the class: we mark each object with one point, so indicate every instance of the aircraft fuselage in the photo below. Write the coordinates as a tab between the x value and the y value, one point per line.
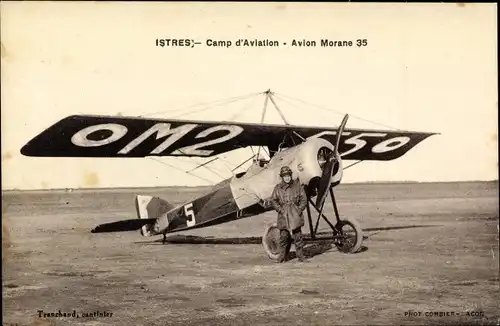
245	194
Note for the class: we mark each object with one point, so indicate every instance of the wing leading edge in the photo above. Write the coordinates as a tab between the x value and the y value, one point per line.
112	136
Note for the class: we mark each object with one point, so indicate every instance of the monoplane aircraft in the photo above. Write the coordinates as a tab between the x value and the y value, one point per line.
315	155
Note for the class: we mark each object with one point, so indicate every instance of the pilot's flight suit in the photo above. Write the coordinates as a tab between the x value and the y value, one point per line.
290	200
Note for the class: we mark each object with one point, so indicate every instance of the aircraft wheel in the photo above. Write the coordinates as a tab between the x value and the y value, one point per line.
350	236
271	241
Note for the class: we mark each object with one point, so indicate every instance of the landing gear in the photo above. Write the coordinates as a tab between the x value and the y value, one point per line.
349	236
346	233
271	241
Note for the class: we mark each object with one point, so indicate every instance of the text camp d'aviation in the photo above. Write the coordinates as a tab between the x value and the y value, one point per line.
260	43
274	43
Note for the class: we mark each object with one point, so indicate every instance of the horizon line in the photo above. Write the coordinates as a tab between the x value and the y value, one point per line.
207	186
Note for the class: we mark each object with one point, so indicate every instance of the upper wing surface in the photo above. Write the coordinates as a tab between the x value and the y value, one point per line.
113	136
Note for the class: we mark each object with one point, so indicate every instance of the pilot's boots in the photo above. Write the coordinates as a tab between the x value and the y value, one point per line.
284	245
298	240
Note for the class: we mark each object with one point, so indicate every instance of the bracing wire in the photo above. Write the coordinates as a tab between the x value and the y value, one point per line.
213	107
228	165
267	151
174	167
335	111
243	110
238	98
201	104
183	160
293	104
353	164
209	169
217	103
205	165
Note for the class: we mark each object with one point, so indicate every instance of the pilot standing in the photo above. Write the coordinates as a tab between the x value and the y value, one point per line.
289	200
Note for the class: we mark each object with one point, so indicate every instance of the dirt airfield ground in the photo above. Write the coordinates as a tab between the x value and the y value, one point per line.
428	248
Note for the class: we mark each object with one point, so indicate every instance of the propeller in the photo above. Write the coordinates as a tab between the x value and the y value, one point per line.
329	166
122	226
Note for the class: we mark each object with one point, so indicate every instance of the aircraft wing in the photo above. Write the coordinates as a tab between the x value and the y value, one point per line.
117	136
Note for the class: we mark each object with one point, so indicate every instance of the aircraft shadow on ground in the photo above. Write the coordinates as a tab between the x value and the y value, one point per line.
312	247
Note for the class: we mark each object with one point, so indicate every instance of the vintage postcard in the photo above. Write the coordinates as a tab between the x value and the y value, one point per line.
218	163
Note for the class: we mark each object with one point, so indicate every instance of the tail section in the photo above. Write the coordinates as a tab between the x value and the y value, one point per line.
149	207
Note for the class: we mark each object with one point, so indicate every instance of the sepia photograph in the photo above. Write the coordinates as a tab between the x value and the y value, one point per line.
249	163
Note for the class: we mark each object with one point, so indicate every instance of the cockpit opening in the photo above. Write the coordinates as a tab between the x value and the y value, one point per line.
239	175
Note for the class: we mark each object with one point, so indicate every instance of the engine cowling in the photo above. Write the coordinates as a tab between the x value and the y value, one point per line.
259	181
311	159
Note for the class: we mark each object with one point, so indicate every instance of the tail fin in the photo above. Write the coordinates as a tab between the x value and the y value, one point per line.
150	207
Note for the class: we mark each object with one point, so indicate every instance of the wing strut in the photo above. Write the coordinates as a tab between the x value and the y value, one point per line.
251	157
200	165
263	116
269	95
265	106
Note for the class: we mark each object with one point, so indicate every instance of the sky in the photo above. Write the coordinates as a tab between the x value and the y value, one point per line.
426	67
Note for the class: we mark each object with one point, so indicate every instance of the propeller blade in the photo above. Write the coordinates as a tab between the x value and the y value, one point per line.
324	183
339	133
122	226
329	167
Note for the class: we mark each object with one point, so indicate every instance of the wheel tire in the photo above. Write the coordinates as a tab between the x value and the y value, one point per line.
356	240
270	241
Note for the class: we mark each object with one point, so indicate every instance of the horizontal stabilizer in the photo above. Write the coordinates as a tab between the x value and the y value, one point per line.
122	226
110	136
149	207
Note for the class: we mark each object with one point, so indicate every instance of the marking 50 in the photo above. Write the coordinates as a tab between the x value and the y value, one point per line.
161	130
189	213
356	140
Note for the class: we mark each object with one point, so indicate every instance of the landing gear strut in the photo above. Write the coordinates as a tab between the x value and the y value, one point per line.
346	233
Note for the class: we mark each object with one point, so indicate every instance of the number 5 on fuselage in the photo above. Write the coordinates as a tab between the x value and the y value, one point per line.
189	213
